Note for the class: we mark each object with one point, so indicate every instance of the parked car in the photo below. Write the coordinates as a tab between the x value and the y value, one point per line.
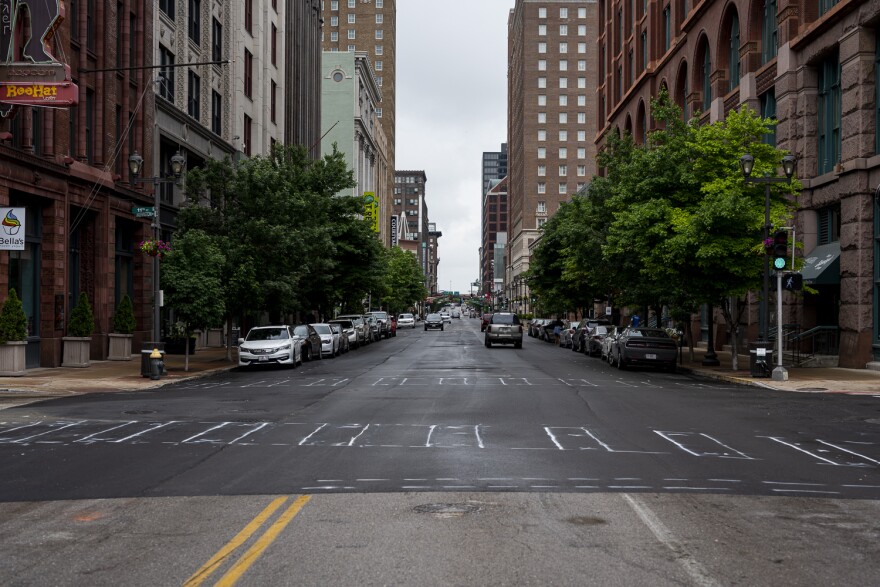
504	328
406	320
344	337
535	326
373	328
546	333
568	330
645	346
584	329
311	341
329	339
608	342
349	330
383	322
266	345
594	339
360	325
433	321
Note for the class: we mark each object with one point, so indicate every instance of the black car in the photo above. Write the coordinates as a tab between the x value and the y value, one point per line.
312	345
433	321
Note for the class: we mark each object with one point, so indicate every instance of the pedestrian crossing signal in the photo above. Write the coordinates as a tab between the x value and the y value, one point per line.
793	282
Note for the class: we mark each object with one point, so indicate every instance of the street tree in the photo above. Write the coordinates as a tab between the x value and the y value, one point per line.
404	281
192	280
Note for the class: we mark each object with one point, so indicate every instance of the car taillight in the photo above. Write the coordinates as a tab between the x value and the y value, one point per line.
636	344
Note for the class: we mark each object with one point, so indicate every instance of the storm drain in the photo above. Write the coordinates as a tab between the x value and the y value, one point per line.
447	510
812	389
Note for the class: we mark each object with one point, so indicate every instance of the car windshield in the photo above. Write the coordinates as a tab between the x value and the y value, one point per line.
336	328
504	319
322	328
433	316
267	334
343	323
600	330
302	331
652	332
381	315
405	316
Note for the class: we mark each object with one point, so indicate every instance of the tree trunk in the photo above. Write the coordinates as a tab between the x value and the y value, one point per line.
186	352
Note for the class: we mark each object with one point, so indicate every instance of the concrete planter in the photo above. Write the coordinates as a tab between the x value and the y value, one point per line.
120	347
76	351
12	358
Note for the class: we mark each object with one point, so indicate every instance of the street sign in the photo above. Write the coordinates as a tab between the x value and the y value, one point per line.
144	211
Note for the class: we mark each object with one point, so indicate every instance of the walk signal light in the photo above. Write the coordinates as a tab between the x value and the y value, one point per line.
780	249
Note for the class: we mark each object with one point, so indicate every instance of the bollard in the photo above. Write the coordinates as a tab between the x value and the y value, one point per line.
156	364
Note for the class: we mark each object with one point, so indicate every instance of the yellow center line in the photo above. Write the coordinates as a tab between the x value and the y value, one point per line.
209	567
254	552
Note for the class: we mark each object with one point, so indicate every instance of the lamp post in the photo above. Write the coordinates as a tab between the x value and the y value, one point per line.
747	163
135	163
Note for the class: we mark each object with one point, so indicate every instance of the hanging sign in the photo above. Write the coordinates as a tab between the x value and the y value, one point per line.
12	229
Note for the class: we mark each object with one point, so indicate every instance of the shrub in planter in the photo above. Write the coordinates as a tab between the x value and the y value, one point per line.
13	336
77	343
123	325
13	320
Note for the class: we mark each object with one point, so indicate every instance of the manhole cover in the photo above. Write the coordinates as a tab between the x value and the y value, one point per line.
447	509
812	389
138	412
586	521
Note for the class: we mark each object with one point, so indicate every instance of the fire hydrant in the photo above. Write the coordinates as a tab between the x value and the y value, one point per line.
156	364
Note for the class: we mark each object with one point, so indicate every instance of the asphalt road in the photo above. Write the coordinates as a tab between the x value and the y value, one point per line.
429	459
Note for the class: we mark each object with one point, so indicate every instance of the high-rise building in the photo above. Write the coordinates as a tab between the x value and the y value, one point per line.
816	71
494	166
302	79
551	115
416	233
370	27
495	214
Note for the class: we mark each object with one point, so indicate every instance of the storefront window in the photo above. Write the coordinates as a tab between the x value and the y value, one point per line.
24	271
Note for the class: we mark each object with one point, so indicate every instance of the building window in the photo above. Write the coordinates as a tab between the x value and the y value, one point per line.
249	16
542	30
542	189
542	65
563	65
582	118
194	96
273	99
582	153
563	188
582	13
216	40
248	74
563	83
825	6
334	4
352	34
380	34
90	24
768	110
166	74
379	66
247	130
563	47
378	50
644	50
828	229
542	207
167	6
876	92
582	83
769	32
563	118
216	113
563	153
581	170
542	13
351	18
542	135
582	32
667	28
542	118
542	152
829	114
274	47
380	18
734	52
334	36
542	47
542	100
542	82
563	135
563	30
90	125
563	13
542	170
563	170
194	26
707	79
563	100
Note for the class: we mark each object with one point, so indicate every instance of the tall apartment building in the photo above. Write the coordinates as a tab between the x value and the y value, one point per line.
370	26
494	166
350	98
302	79
815	69
495	215
551	115
411	209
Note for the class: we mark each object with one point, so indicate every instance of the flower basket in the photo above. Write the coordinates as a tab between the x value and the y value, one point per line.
155	247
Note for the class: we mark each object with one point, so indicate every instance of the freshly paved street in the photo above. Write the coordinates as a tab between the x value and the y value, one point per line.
429	459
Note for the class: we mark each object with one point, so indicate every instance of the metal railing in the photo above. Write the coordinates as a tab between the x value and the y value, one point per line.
807	345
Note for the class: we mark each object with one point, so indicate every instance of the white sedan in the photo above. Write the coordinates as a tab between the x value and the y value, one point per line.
406	320
266	345
446	317
330	345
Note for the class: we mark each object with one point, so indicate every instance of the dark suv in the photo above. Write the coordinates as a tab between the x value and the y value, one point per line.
504	328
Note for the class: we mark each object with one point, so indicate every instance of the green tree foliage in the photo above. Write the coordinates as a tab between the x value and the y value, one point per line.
82	320
192	279
671	222
404	282
290	242
13	320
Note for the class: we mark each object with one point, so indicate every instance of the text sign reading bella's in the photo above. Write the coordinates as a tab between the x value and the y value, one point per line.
12	229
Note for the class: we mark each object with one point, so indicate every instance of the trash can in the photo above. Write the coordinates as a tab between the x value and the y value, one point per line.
761	359
236	334
146	350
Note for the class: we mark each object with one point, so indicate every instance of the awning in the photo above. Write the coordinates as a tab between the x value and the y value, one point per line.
822	265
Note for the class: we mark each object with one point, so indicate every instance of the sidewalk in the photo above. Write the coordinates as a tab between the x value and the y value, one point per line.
105	376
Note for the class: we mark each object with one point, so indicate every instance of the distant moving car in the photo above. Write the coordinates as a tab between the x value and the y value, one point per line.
645	346
406	320
504	328
456	313
329	339
433	321
446	317
266	345
311	341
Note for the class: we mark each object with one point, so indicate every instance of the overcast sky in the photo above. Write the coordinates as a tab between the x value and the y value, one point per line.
451	107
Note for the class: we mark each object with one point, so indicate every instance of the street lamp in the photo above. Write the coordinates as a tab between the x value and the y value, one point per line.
135	163
747	163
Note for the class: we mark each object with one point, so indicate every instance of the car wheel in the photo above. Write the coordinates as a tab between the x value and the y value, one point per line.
517	345
488	344
441	327
426	328
308	354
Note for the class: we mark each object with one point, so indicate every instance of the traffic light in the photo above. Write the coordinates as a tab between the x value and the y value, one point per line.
780	249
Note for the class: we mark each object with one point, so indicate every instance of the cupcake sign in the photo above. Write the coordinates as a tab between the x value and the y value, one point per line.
12	229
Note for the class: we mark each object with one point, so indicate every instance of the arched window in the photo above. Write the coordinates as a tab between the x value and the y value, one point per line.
706	75
734	52
769	32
